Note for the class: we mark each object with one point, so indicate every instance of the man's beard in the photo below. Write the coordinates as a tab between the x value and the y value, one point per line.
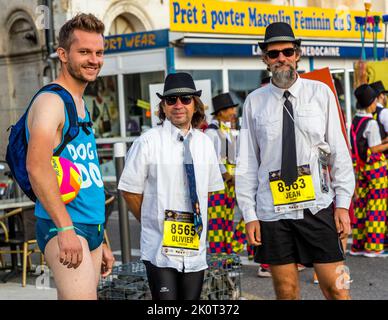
283	79
76	74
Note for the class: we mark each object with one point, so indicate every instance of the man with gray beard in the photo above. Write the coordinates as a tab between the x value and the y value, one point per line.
294	175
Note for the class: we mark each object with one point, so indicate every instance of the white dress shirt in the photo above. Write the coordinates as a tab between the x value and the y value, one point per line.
260	151
219	141
154	167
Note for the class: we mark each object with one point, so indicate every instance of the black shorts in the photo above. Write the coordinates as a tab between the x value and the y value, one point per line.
313	239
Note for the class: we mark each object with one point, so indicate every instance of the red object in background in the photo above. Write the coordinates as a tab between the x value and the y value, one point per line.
3	187
203	126
324	76
351	214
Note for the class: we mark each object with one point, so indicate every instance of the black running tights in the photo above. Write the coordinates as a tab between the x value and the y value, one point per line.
170	284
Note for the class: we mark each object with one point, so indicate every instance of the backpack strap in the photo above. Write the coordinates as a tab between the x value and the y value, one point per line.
86	124
71	110
354	133
213	126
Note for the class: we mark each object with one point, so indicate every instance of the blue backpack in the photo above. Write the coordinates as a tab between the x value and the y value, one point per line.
17	144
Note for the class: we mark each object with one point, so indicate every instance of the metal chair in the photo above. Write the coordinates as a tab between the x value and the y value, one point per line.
18	237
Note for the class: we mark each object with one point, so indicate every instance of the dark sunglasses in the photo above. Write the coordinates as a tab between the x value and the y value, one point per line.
171	100
273	54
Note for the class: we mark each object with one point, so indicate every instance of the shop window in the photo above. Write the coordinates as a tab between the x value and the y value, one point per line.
352	97
243	82
339	83
215	77
102	101
137	100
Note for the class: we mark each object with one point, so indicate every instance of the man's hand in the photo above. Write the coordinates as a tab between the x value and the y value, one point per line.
342	222
70	249
107	261
253	233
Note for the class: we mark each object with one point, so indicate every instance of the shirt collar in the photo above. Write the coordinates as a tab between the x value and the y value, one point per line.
215	122
294	89
363	113
174	131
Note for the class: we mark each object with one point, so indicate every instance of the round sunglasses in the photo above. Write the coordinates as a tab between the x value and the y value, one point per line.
171	100
273	54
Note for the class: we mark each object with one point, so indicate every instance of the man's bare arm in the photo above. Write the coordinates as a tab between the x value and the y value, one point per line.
134	201
45	121
45	118
379	148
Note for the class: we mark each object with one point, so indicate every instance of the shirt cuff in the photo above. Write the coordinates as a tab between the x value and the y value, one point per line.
249	215
130	188
342	201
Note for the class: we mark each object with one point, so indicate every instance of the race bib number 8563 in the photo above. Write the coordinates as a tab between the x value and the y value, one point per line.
300	192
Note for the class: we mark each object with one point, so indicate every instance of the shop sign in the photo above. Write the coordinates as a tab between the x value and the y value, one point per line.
215	16
249	50
136	41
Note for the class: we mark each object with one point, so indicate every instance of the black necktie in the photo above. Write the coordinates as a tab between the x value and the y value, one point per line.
289	170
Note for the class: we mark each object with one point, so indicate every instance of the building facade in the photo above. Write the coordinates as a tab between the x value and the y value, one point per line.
142	47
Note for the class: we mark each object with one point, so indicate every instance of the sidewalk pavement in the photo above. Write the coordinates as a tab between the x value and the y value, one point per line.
15	291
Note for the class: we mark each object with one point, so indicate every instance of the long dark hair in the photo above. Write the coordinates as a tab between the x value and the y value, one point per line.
198	116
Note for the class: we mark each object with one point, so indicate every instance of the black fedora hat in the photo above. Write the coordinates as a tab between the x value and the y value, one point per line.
365	96
379	87
179	84
278	32
223	101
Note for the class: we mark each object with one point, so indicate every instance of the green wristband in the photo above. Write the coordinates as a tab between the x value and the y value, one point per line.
62	229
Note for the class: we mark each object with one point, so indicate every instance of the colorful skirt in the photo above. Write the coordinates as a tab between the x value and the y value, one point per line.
370	207
222	236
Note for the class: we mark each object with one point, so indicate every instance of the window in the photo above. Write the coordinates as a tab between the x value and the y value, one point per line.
137	100
215	77
102	101
243	82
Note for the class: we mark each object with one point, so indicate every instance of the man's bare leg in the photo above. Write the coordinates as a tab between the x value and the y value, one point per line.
333	280
97	260
73	284
286	281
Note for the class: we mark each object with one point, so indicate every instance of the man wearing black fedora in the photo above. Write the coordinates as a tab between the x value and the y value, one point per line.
221	213
381	113
168	174
220	132
295	209
370	165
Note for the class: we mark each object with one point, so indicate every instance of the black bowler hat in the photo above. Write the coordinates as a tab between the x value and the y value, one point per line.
223	101
278	32
379	87
365	95
179	84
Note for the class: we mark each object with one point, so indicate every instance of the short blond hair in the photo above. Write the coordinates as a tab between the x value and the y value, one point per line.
82	21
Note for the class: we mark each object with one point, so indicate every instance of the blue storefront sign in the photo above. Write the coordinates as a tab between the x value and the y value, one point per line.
249	50
136	41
